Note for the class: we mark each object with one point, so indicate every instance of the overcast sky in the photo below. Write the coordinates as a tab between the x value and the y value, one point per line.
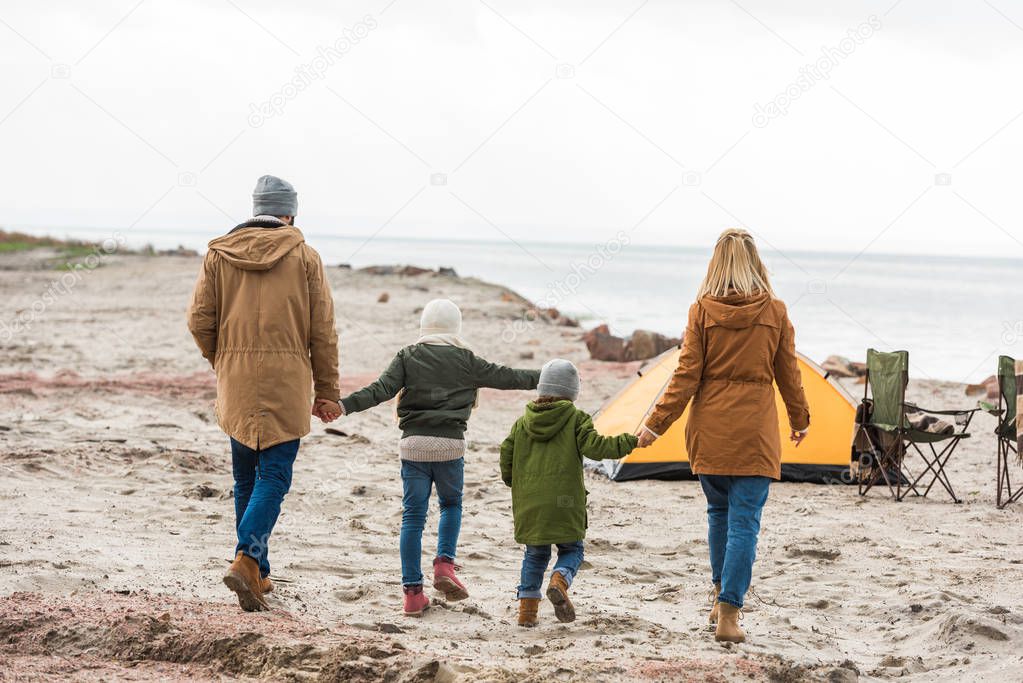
537	120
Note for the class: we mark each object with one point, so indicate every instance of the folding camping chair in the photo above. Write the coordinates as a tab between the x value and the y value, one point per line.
883	425
1006	432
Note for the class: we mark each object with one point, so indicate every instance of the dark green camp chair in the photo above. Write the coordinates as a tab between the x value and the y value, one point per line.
1006	431
890	435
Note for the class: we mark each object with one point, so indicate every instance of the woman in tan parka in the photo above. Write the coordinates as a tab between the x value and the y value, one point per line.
738	343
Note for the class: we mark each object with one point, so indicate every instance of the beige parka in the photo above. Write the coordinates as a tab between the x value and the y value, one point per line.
262	314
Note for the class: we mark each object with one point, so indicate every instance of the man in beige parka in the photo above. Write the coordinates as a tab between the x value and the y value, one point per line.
262	314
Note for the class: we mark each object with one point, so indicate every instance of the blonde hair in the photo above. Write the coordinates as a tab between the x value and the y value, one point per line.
735	267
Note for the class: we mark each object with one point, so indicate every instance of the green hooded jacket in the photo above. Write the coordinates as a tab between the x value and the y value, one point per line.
542	462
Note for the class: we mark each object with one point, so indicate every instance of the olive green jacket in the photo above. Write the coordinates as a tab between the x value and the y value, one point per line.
438	386
542	462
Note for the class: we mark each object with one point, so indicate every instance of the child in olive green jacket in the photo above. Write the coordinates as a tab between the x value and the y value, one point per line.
542	462
436	381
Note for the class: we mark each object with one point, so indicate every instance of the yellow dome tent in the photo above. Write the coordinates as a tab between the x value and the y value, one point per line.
822	457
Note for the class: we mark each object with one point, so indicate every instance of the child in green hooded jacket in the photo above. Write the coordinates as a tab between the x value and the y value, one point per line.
542	462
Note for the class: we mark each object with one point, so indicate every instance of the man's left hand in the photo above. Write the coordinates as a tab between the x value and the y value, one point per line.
327	410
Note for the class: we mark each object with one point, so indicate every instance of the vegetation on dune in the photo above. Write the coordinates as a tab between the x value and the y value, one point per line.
19	241
15	246
71	251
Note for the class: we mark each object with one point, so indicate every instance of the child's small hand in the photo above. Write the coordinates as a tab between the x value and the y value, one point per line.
646	437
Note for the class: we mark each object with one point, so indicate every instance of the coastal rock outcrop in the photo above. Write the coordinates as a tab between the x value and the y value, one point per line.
643	344
840	366
530	311
988	388
410	271
603	345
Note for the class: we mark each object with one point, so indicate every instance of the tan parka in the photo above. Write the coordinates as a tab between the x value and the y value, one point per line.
734	349
263	316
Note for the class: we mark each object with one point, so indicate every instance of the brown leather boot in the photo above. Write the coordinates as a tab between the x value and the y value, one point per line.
714	604
266	585
243	578
728	630
528	608
557	593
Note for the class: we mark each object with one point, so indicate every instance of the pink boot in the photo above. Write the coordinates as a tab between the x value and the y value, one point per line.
445	581
416	601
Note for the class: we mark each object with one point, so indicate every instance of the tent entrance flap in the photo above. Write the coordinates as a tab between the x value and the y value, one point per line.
822	457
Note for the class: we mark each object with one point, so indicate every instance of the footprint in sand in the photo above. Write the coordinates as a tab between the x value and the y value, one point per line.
816	553
351	594
477	555
625	624
903	665
956	628
343	572
640	575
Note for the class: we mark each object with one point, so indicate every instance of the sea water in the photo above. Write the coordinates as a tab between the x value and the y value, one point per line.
954	315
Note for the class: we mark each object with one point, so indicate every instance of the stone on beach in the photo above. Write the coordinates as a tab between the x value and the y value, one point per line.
410	271
643	344
603	345
646	344
988	388
840	366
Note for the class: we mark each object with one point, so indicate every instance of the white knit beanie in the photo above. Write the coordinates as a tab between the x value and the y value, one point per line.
440	316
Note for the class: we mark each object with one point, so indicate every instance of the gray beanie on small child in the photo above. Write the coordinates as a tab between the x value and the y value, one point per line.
558	377
274	197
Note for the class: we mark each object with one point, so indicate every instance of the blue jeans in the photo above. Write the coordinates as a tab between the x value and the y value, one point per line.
417	479
734	505
261	480
536	559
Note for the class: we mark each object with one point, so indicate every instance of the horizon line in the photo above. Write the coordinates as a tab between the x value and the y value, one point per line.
548	243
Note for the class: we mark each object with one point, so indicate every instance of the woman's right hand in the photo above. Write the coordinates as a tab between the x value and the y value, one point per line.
646	437
797	437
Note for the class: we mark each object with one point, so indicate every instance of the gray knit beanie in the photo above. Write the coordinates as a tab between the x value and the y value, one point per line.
274	197
559	378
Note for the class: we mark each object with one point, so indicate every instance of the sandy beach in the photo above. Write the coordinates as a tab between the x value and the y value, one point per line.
117	523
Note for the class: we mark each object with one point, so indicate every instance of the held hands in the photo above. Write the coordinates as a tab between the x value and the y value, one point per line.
327	410
646	437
